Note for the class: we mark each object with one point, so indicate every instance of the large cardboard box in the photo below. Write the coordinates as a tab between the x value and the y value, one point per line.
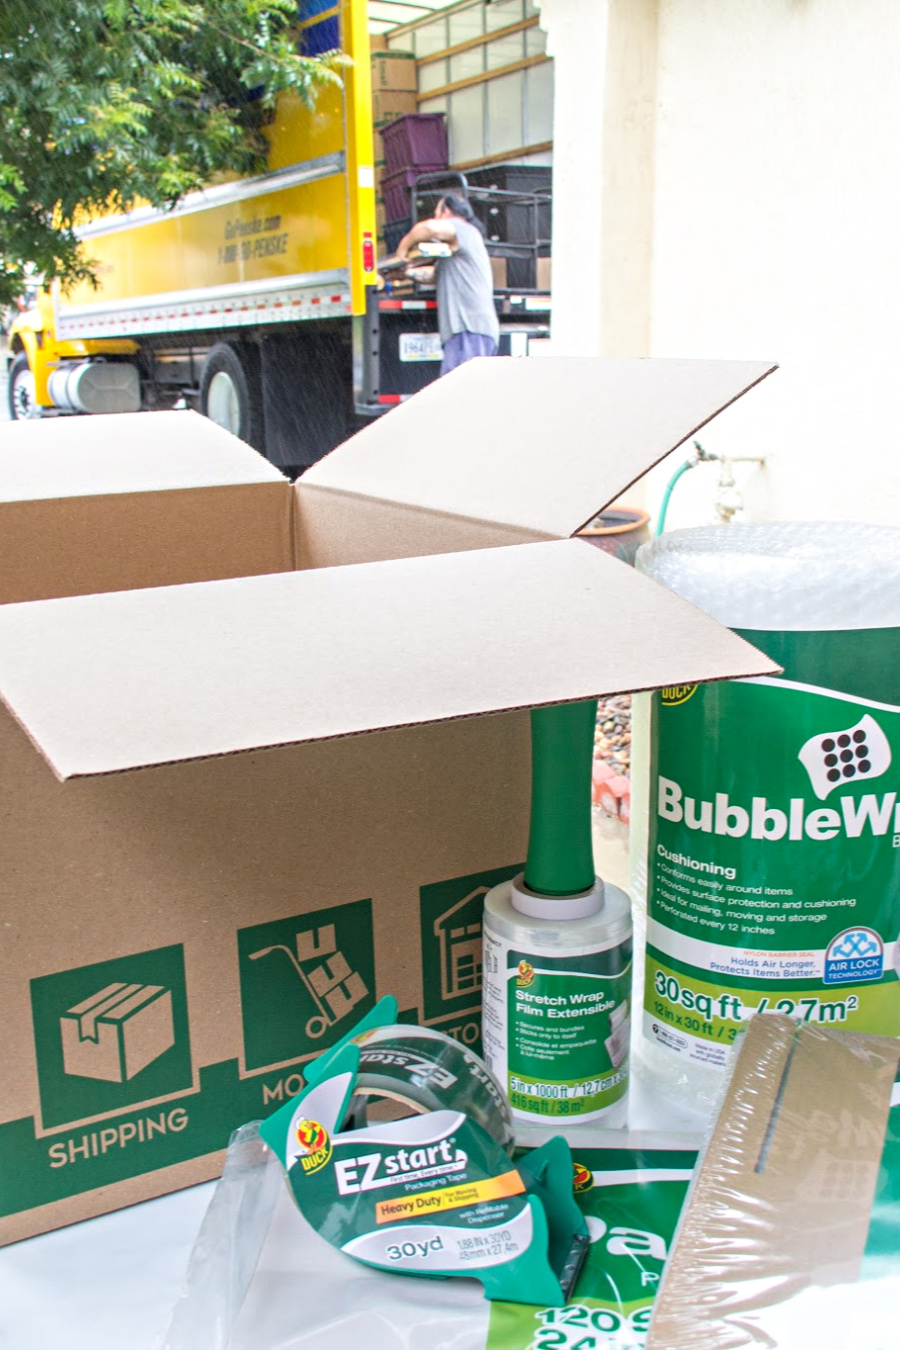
393	70
236	811
499	273
389	104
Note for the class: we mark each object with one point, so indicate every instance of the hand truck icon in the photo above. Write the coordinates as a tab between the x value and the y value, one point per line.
334	988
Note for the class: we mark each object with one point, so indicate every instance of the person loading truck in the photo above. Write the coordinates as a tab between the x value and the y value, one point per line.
467	319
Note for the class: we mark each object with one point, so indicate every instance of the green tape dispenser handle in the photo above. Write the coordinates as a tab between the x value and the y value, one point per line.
560	849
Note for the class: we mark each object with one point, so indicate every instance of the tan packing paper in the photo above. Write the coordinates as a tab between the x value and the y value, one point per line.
782	1198
260	801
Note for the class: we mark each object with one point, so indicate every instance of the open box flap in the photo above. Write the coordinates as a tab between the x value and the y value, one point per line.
120	453
541	444
106	683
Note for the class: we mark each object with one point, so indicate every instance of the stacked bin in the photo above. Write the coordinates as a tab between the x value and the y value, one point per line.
393	96
414	144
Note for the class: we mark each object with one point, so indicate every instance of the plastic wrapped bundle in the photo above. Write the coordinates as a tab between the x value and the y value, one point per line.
809	575
763	867
791	1231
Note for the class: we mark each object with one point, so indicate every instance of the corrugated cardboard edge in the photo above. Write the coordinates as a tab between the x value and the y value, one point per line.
367	464
693	432
191	673
73	777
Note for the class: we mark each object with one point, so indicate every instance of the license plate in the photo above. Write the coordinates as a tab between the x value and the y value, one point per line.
420	347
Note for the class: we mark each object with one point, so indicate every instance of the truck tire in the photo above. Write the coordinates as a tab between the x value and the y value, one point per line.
22	403
231	391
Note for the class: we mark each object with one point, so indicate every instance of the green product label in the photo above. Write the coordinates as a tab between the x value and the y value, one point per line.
567	1031
431	1194
389	1194
631	1200
774	867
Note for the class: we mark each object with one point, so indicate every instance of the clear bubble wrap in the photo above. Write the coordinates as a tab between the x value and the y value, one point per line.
795	576
790	1234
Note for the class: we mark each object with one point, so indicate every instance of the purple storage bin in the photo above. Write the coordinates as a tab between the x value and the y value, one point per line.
395	190
416	141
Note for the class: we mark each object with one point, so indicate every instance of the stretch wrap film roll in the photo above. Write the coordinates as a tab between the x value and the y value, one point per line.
764	871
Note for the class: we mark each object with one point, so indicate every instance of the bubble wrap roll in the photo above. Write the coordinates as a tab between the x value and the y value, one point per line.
817	575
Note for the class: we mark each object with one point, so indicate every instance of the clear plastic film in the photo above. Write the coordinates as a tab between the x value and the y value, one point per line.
790	1235
808	574
424	1070
226	1253
260	1278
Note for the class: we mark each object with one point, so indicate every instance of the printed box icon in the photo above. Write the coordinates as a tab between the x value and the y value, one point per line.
117	1032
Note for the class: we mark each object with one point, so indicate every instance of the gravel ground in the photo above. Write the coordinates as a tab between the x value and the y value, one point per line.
612	739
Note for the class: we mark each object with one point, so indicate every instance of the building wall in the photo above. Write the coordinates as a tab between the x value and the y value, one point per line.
747	149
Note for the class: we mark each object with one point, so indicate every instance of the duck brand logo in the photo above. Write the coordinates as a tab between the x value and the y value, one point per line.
313	1145
582	1178
525	975
675	694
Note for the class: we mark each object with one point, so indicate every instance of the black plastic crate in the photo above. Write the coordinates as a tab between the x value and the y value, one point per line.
394	230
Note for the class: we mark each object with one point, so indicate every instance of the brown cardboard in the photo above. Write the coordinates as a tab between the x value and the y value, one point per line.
389	104
781	1202
499	269
544	274
393	70
270	795
216	668
483	443
148	502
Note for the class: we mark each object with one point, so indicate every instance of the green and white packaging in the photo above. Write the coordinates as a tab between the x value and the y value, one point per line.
768	849
433	1194
556	1001
556	978
631	1198
261	1279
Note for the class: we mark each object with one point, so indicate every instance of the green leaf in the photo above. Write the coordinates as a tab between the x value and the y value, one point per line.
106	101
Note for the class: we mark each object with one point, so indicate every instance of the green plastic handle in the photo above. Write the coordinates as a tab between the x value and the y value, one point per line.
560	849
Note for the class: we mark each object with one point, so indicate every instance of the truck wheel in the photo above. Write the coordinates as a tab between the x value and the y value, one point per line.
231	392
22	403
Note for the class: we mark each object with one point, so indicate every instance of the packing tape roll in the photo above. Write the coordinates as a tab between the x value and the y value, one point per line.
426	1070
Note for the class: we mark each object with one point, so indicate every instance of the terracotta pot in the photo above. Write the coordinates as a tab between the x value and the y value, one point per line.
618	530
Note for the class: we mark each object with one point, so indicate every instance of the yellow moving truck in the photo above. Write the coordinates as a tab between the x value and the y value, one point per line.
256	300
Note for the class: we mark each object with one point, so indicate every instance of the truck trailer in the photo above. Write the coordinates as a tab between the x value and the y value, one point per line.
259	301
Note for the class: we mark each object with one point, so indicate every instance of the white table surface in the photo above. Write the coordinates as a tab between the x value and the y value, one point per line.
110	1283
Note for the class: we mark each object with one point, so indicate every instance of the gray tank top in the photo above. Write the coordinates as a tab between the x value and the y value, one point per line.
465	287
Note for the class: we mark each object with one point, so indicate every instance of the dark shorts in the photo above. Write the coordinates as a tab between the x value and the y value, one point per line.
463	346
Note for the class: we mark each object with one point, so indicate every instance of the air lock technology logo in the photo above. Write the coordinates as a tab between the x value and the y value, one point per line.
854	956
